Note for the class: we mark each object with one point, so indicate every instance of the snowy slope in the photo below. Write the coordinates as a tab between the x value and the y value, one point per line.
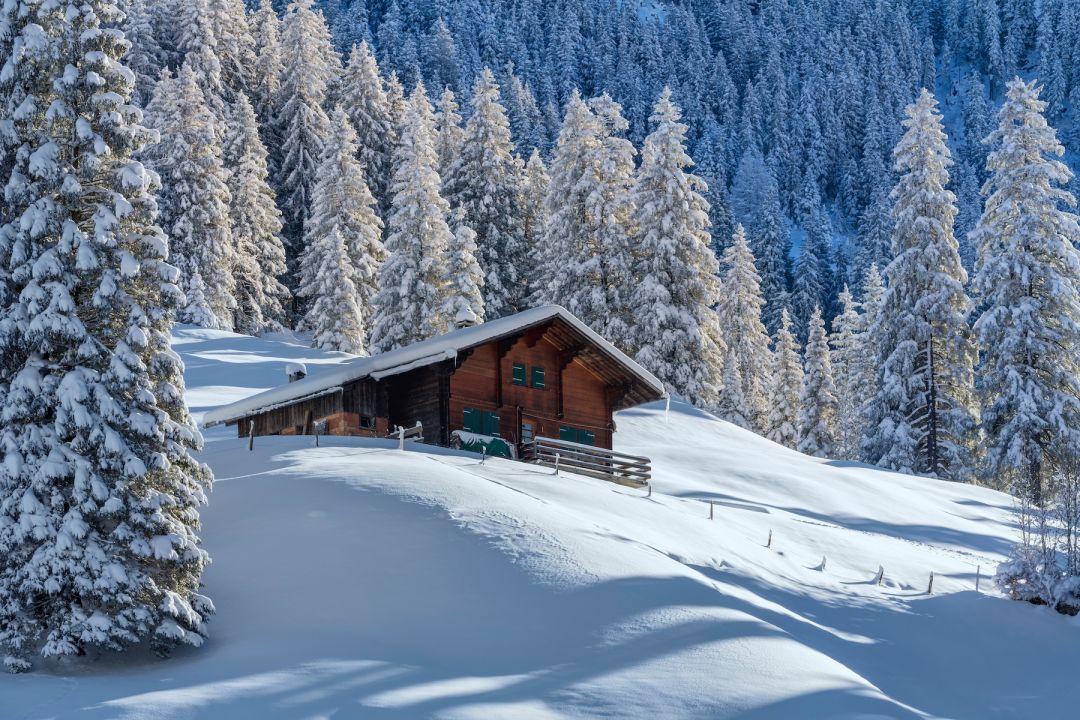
356	581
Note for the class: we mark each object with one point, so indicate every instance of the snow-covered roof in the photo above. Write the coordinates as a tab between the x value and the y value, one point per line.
426	352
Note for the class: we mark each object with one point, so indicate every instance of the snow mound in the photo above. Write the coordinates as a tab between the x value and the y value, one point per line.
353	580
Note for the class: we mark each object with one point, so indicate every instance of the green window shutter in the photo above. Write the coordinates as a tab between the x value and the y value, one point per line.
587	438
491	424
519	374
472	421
567	434
538	378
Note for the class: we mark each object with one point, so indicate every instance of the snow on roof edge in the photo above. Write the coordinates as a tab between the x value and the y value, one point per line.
425	352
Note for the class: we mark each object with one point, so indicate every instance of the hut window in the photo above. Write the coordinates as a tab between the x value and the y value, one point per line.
576	435
519	374
366	422
473	421
538	378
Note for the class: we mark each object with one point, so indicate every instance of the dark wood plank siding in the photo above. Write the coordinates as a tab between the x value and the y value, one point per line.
419	395
290	419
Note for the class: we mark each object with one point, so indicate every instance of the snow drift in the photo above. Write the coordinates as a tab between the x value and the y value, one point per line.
356	581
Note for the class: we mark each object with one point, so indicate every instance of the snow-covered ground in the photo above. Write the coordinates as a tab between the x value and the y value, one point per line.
356	581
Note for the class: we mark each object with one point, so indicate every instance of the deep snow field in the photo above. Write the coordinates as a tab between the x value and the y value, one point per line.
356	581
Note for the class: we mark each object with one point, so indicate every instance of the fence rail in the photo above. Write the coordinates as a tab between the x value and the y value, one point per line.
595	462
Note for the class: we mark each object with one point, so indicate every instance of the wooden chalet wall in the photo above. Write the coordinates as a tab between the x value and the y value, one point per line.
573	396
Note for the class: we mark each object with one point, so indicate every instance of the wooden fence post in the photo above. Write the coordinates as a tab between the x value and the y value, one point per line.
251	435
316	427
769	543
558	458
710	510
401	438
978	576
880	575
930	587
483	454
650	490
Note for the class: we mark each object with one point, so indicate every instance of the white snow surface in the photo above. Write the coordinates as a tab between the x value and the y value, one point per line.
353	580
418	355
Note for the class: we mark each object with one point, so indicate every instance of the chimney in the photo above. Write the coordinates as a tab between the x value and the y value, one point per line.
465	318
296	371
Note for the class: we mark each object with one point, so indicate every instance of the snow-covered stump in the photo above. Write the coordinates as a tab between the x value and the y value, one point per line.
821	567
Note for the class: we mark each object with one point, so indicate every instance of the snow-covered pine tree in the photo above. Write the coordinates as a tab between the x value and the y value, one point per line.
449	134
413	288
610	210
366	102
848	356
234	45
268	69
197	46
817	401
302	123
676	331
747	341
145	57
535	185
785	386
342	203
484	182
923	419
465	277
1027	271
195	198
99	492
334	317
261	298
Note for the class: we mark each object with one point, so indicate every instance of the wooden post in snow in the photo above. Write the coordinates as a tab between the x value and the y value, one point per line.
483	454
978	576
769	543
558	458
650	490
251	435
401	438
880	575
710	510
930	587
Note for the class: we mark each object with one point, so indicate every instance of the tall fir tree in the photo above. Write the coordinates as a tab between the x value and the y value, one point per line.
261	298
676	331
465	291
195	200
334	316
303	125
1027	272
785	387
923	420
99	491
535	185
848	353
414	281
449	134
343	204
368	107
817	401
747	340
484	182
